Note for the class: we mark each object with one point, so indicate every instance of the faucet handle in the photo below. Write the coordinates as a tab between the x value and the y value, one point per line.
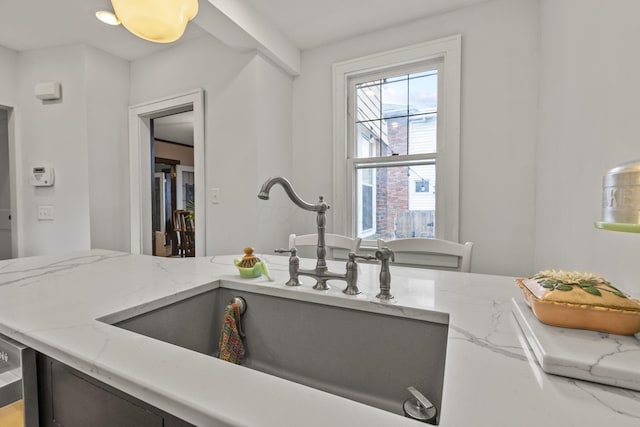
351	277
291	251
353	256
385	254
294	266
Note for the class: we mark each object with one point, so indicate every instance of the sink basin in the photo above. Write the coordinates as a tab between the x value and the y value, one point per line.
366	356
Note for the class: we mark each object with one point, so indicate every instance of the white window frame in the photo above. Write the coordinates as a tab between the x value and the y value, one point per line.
355	163
448	52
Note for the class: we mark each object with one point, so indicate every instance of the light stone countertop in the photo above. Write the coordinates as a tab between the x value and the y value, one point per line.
51	304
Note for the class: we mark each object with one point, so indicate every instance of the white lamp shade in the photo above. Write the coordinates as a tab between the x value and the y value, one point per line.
160	21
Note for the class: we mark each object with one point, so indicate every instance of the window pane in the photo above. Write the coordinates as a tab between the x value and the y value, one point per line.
396	142
394	98
366	209
423	94
422	195
397	115
368	139
422	134
368	103
396	202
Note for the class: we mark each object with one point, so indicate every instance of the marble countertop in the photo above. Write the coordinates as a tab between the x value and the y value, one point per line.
587	355
51	304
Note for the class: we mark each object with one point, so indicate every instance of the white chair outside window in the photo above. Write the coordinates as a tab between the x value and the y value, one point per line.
331	241
431	253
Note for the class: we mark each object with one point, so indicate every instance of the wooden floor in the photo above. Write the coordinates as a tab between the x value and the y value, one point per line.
11	415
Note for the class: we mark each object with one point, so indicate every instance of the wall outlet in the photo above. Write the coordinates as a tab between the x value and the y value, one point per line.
45	213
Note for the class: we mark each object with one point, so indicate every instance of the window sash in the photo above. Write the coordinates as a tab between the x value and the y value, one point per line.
434	64
448	51
355	163
373	165
404	160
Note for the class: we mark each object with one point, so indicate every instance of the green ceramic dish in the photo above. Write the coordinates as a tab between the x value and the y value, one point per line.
249	273
252	272
618	226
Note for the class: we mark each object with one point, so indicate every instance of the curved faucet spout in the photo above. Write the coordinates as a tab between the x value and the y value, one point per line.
321	206
321	272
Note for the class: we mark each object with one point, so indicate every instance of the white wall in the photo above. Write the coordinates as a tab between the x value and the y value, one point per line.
247	133
55	132
8	76
274	154
106	103
83	136
498	124
549	103
589	109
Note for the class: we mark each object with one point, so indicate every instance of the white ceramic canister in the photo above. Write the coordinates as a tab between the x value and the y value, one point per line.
621	194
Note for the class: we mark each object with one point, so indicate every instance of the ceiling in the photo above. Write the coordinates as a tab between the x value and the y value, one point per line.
175	128
36	24
312	23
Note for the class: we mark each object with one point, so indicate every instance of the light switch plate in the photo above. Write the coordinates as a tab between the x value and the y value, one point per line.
45	213
215	196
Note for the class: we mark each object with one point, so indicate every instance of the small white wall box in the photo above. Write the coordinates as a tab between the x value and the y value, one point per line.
42	176
48	91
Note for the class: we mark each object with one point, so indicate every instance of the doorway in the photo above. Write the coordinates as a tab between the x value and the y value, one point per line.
173	204
5	187
155	187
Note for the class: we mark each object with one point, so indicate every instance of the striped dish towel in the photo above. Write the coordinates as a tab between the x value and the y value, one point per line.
231	347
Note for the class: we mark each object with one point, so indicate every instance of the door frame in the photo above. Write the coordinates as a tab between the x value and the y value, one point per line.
163	219
16	187
140	173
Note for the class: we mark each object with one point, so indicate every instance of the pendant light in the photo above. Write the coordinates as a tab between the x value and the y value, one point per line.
160	21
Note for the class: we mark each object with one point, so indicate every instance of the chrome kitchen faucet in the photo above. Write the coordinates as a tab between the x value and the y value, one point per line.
321	273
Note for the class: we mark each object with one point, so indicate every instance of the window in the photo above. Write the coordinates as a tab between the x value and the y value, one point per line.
396	143
394	122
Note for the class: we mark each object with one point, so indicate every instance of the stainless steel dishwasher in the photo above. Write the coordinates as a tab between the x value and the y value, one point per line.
18	385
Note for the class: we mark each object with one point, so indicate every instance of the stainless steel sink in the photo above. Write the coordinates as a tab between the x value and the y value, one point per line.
361	355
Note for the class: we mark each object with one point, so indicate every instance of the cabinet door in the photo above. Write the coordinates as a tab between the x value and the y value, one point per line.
69	398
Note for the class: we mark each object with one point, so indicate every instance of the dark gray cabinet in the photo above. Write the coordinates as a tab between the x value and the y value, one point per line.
69	398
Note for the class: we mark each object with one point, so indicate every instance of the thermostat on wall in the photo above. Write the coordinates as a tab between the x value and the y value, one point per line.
42	176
